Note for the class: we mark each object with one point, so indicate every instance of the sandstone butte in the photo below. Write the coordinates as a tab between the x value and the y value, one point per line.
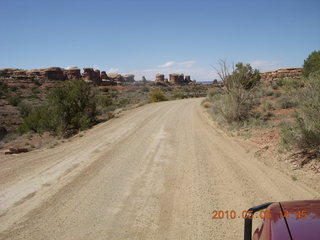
105	79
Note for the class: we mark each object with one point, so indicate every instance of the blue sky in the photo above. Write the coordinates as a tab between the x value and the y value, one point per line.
145	37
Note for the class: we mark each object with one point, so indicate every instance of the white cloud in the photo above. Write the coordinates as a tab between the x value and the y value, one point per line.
167	64
263	65
113	70
187	64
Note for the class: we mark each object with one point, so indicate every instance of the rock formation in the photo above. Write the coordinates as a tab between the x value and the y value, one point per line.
73	73
53	73
90	75
174	78
104	75
187	79
60	74
128	78
268	77
160	78
115	77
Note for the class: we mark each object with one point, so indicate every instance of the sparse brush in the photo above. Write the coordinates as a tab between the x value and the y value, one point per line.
267	106
287	102
305	133
157	95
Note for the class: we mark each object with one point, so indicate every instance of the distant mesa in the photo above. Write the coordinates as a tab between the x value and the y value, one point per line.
60	74
89	75
268	77
174	78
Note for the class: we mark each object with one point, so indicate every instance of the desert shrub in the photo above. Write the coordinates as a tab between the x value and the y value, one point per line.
213	93
14	100
157	95
13	88
263	92
124	102
35	90
36	82
24	109
286	102
39	119
145	89
104	89
105	101
274	85
231	109
266	106
305	133
235	102
289	83
277	94
269	93
244	76
180	95
3	89
71	106
312	63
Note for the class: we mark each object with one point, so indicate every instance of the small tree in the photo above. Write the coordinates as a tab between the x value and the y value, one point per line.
71	106
75	104
312	63
235	104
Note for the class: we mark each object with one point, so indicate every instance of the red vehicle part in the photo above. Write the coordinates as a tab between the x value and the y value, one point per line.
294	220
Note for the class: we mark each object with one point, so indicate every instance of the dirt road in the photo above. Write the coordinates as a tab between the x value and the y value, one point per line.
157	172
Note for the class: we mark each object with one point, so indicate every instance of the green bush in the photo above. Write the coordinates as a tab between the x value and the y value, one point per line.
267	106
305	133
145	89
14	100
286	102
3	89
244	75
13	88
71	107
39	119
277	94
228	106
25	109
234	103
290	83
157	95
312	63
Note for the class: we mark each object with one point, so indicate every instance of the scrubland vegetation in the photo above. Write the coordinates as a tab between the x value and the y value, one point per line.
289	106
63	109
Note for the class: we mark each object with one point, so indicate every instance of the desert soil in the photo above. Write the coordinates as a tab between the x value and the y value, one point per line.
156	172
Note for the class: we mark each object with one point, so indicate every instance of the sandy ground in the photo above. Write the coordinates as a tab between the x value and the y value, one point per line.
157	172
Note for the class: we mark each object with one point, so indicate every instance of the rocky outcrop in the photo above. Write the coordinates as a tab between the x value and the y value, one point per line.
187	79
268	77
128	78
103	75
116	77
16	150
90	75
174	78
60	74
73	73
53	73
160	78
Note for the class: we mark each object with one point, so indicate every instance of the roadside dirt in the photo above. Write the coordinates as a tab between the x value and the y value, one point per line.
156	172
